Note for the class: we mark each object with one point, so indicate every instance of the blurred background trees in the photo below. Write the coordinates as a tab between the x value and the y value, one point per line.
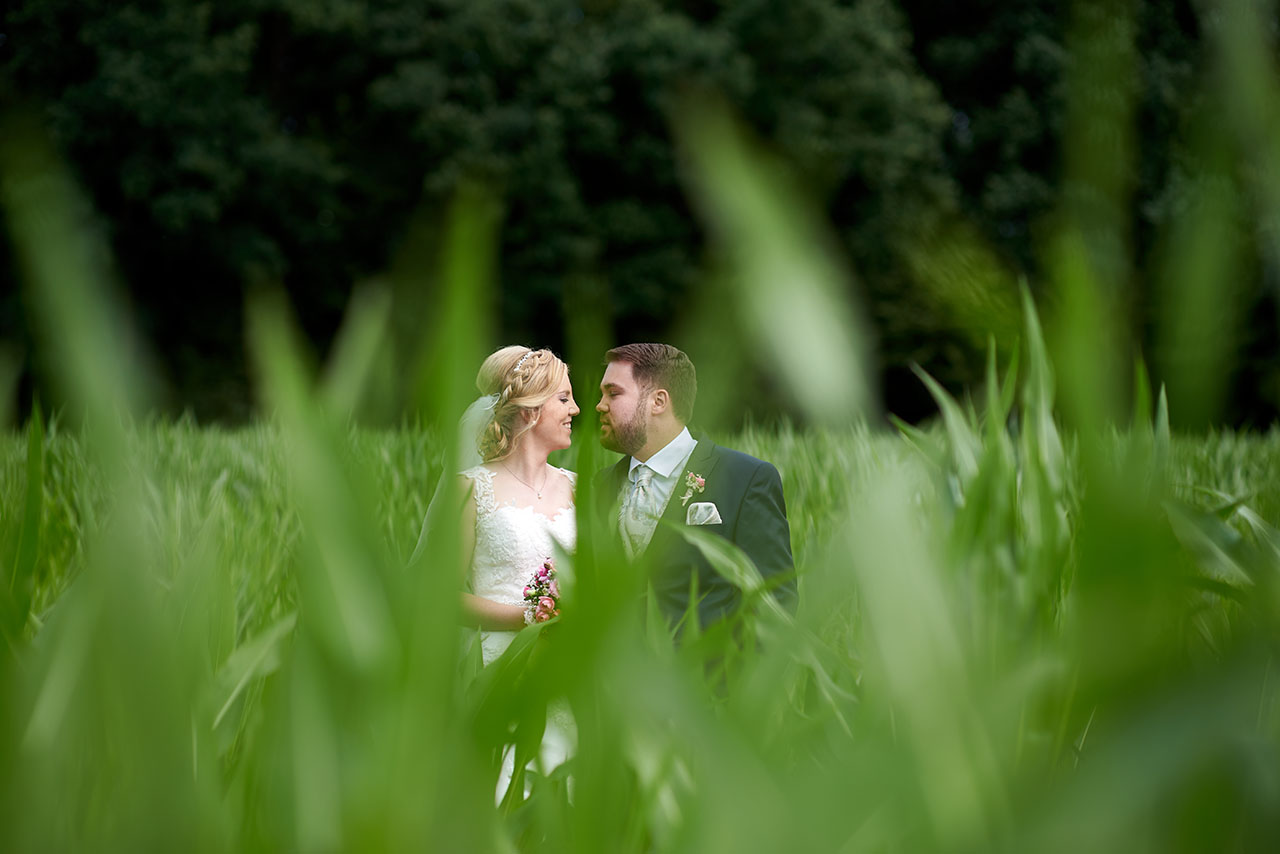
310	143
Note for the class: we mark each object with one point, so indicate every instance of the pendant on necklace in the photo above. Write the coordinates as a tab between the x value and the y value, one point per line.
536	490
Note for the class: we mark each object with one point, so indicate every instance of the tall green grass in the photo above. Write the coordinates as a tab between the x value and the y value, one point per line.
926	652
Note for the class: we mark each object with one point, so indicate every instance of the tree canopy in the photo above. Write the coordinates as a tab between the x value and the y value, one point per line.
294	141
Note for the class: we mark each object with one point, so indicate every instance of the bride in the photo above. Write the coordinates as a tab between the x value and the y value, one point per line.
519	509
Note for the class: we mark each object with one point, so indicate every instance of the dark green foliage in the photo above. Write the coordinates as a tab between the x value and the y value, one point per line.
1000	68
234	143
312	144
1005	68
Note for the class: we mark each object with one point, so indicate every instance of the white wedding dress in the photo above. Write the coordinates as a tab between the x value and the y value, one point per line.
511	545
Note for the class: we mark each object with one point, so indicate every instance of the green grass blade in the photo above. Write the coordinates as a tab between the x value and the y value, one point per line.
789	291
17	595
253	659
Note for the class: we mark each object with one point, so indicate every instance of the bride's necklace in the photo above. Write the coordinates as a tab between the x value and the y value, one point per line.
537	490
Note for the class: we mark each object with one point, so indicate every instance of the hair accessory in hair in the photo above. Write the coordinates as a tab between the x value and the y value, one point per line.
521	362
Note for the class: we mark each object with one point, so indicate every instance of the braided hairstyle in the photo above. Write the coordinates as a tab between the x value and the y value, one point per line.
523	379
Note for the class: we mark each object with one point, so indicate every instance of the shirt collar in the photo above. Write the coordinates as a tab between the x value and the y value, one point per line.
671	457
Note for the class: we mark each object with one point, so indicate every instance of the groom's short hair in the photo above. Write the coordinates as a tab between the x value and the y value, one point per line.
662	366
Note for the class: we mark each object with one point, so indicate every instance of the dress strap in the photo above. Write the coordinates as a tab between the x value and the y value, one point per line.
482	488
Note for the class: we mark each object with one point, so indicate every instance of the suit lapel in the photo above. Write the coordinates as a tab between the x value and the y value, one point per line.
701	462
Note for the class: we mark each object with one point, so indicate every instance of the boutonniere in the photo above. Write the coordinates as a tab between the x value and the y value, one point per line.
692	483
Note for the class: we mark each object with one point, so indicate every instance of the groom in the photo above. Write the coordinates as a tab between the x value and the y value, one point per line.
669	474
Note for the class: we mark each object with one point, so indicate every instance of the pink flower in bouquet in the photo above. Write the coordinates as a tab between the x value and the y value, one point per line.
542	594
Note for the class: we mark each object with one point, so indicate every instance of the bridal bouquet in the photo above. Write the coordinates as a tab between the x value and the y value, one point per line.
542	595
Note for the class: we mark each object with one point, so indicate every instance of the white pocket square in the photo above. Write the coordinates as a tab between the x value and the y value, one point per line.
702	513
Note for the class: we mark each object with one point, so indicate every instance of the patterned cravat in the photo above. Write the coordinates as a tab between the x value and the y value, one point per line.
638	516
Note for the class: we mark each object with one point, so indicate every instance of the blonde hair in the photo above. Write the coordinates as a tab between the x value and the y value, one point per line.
523	379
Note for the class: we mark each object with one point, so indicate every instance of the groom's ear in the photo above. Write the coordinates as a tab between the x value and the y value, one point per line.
661	401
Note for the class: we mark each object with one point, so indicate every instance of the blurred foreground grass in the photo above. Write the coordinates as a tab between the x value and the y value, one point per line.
828	724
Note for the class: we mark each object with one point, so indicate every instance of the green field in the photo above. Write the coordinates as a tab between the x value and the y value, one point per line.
232	485
988	655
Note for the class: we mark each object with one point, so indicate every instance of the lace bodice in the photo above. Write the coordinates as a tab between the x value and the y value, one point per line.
511	543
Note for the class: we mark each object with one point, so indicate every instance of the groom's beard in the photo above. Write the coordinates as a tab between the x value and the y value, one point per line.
627	437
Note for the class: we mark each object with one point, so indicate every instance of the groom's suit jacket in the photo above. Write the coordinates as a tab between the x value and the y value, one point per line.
747	492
